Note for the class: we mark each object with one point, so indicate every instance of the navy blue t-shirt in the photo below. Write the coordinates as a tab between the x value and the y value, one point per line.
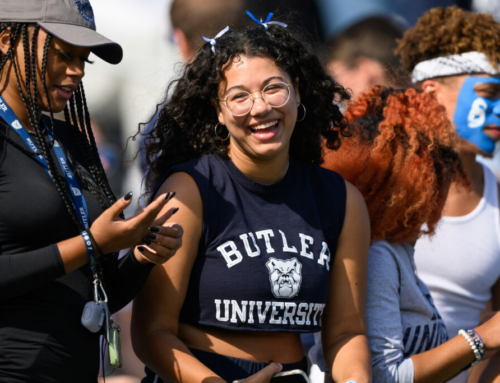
266	251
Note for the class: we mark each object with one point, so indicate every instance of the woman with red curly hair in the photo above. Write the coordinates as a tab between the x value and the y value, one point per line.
454	55
402	159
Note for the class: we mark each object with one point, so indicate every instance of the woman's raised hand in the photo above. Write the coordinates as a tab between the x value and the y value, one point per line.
112	233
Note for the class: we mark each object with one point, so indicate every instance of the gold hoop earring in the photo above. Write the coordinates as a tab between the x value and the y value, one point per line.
216	135
304	116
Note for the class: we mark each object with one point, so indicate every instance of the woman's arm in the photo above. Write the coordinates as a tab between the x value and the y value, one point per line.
345	345
383	318
491	372
385	332
155	318
443	362
23	272
135	266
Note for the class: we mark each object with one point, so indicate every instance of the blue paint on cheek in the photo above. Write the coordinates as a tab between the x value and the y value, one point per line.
496	109
473	113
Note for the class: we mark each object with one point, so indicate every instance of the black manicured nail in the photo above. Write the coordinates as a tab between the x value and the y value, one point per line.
146	241
141	249
167	196
171	195
151	236
128	196
154	229
175	210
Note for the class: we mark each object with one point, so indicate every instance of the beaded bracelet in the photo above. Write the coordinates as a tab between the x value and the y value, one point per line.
477	341
472	346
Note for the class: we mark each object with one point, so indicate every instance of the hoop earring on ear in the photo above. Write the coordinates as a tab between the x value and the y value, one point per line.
217	135
304	116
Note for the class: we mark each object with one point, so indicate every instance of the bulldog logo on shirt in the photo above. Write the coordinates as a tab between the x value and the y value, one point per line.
285	277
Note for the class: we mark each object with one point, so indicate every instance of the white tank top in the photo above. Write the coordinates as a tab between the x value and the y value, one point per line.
461	262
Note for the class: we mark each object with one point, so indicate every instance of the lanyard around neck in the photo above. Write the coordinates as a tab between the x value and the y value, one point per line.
77	198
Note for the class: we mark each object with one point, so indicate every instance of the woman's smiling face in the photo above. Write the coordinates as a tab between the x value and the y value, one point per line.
264	132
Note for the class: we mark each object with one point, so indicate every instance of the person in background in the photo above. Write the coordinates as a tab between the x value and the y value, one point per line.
303	14
338	14
61	227
402	158
454	55
192	19
264	259
363	55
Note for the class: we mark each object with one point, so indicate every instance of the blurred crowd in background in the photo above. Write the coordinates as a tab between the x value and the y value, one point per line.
355	39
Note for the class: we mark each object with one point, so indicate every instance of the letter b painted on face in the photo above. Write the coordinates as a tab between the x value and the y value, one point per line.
477	113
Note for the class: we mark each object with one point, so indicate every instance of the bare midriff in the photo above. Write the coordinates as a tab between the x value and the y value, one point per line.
263	347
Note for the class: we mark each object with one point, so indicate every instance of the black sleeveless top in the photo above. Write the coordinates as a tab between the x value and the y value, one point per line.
266	251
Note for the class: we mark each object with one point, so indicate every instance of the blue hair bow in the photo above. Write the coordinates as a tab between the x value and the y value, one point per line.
212	41
267	21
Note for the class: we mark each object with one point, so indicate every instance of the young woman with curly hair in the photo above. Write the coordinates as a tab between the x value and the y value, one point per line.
402	158
272	242
454	55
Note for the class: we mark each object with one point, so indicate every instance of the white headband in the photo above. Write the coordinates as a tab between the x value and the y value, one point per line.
469	62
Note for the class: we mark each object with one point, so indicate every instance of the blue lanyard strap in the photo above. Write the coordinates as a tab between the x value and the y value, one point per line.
76	194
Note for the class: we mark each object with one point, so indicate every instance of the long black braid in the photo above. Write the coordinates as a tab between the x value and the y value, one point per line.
27	69
78	120
79	125
4	59
44	70
13	34
93	147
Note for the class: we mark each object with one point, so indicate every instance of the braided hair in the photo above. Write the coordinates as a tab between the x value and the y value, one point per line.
185	127
76	115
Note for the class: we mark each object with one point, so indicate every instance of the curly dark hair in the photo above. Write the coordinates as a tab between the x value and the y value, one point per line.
447	31
185	127
402	158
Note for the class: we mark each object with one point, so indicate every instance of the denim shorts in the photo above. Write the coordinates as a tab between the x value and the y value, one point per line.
227	367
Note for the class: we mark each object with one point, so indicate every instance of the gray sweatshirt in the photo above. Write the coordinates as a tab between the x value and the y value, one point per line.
401	318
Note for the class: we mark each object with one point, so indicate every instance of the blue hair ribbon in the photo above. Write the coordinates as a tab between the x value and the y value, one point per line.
267	21
212	41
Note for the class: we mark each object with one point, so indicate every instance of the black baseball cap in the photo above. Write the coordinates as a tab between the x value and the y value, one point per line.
71	21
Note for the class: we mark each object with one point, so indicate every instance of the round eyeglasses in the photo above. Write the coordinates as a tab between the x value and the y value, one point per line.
240	102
